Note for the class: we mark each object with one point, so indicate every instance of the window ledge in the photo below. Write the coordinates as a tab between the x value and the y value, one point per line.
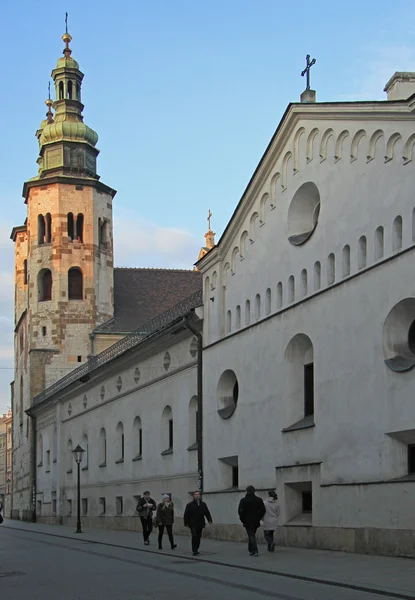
138	457
55	460
47	471
104	464
193	447
166	452
303	520
120	460
69	471
40	464
84	468
304	423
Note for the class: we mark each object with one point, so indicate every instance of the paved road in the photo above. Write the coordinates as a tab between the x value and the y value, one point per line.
40	567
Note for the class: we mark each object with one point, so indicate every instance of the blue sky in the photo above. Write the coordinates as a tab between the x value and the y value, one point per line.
185	96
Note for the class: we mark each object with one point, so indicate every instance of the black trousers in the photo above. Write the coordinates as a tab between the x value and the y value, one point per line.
147	525
196	537
252	545
169	533
269	538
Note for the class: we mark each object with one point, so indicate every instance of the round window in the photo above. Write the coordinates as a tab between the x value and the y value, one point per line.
303	213
228	394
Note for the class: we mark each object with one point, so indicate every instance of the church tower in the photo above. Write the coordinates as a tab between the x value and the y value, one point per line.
63	261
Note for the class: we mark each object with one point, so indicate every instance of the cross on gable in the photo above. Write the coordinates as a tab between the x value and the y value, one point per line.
306	71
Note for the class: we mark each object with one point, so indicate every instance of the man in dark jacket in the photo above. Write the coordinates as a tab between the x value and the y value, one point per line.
194	517
145	508
251	511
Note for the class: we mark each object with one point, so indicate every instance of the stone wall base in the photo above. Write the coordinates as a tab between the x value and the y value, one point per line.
386	542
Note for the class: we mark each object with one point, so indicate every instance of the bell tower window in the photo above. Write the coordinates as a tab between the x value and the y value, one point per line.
60	90
40	229
70	227
44	285
70	90
48	235
75	284
80	227
78	91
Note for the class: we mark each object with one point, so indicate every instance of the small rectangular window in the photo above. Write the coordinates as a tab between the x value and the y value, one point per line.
122	446
84	506
48	460
308	389
54	507
140	442
102	506
119	505
235	477
79	358
69	507
170	433
43	331
307	498
411	459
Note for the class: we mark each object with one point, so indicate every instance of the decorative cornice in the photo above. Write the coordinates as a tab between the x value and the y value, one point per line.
28	185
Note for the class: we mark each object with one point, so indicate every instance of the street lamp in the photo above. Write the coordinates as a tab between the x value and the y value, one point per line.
78	454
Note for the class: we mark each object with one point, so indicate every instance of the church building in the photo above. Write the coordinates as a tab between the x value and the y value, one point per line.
284	360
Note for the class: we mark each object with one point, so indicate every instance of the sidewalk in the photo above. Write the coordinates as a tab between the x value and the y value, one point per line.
375	574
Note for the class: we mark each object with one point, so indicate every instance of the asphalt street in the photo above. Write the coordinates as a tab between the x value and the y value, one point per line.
40	567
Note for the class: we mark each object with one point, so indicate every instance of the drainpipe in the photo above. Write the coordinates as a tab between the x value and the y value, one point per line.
199	423
34	467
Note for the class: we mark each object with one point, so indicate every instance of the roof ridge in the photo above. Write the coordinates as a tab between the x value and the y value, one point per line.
155	269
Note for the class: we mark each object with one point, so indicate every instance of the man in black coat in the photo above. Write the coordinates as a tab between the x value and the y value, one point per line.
194	517
251	512
145	508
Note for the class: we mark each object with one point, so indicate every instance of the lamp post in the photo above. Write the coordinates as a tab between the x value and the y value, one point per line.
78	454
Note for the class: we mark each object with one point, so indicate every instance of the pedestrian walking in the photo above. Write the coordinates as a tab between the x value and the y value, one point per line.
165	520
251	511
195	516
145	508
270	521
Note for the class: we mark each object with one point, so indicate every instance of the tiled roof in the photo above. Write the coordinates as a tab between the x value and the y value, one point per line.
142	294
145	331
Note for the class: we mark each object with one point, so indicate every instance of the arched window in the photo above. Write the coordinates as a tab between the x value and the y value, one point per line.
21	400
102	448
257	307
228	321
379	243
69	457
227	394
102	232
331	272
300	377
60	90
119	443
346	261
41	229
268	301
48	234
84	463
303	283
238	317
279	295
397	234
167	440
75	284
193	422
362	253
25	272
138	437
79	234
44	285
317	276
71	228
78	91
247	312
291	289
70	89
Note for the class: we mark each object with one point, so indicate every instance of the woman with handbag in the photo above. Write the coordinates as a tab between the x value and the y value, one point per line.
165	519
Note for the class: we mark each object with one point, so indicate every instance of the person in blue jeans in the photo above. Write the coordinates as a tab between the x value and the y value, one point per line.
251	511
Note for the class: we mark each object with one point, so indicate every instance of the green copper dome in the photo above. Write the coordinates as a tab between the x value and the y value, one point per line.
67	63
73	131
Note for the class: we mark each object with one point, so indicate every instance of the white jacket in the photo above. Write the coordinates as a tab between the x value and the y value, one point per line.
270	521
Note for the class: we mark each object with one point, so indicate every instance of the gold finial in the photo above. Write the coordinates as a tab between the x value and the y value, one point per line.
49	104
67	38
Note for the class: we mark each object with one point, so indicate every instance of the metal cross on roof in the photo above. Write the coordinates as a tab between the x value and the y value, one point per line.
66	22
209	217
307	70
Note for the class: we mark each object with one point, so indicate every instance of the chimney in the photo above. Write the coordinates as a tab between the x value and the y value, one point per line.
400	86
